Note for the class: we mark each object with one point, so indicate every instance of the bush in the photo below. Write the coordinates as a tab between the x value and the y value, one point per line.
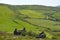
30	33
24	34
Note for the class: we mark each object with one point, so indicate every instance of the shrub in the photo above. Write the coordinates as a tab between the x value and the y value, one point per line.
30	33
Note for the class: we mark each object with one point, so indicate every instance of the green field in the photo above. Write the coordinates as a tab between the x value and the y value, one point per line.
32	13
33	18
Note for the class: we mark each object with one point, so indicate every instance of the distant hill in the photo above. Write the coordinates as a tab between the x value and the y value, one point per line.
33	17
58	6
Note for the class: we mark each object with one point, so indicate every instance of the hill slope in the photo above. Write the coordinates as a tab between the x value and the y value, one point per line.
33	17
9	20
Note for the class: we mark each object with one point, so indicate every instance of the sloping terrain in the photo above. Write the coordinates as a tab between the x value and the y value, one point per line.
8	22
34	18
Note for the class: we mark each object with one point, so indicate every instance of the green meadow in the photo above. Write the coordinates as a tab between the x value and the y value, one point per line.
36	18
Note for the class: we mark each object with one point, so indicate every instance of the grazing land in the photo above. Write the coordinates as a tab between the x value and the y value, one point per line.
35	18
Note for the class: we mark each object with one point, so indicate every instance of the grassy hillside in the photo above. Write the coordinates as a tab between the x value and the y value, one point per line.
8	22
36	18
6	18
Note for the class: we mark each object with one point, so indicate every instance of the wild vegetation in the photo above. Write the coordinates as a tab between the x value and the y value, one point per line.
35	18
